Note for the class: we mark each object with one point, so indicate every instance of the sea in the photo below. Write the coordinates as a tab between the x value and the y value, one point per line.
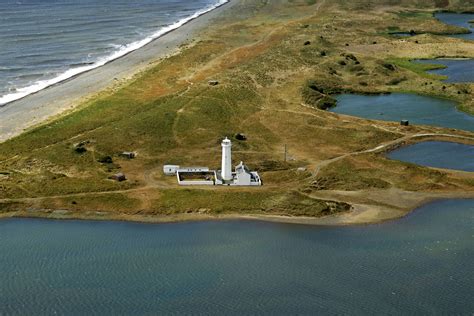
418	265
44	42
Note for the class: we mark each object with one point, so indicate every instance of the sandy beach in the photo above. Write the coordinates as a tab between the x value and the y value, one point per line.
37	108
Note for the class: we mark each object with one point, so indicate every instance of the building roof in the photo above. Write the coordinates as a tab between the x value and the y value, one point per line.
242	168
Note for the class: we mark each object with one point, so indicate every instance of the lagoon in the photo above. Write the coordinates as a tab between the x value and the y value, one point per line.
458	19
417	109
420	264
437	154
457	70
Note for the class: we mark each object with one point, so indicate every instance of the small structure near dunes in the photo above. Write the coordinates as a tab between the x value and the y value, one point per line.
128	154
240	136
118	177
404	123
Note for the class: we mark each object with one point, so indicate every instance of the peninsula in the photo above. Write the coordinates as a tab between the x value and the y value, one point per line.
266	70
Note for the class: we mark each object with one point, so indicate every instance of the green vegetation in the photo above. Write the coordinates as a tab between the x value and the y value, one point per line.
415	14
94	202
316	96
272	59
253	202
376	171
418	68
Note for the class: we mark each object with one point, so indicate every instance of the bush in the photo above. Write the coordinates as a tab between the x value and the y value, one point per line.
105	159
80	150
396	81
389	66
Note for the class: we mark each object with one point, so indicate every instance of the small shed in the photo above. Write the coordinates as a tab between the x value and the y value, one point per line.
213	82
128	154
240	136
170	170
118	177
404	123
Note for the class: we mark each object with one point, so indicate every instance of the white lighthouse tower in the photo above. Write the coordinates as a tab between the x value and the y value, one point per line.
226	170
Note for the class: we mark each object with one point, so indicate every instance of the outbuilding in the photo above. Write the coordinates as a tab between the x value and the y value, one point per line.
119	177
170	170
128	154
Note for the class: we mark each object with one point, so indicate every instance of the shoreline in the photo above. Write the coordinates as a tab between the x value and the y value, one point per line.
129	48
144	201
360	215
58	99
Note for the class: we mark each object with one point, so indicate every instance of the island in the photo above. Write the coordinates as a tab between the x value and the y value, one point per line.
265	74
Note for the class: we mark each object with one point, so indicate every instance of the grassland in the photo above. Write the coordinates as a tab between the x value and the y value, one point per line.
277	63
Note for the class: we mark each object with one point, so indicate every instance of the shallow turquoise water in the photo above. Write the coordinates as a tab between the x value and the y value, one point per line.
437	154
399	106
421	264
457	19
457	70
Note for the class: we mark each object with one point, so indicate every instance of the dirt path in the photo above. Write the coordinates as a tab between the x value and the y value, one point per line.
386	146
154	184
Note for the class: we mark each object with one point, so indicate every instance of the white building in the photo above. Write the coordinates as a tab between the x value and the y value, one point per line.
170	170
226	167
242	176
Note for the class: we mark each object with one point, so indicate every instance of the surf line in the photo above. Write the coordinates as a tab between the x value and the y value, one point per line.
20	93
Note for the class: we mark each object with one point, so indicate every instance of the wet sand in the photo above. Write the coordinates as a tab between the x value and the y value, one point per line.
34	109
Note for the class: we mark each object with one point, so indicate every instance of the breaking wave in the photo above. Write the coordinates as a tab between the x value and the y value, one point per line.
120	52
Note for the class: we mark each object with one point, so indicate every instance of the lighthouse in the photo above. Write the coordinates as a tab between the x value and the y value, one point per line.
226	170
242	176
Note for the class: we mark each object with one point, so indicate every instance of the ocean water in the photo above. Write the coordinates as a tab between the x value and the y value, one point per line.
404	106
457	70
458	19
418	265
47	41
437	154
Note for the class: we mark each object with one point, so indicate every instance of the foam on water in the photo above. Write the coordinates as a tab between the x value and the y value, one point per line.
121	50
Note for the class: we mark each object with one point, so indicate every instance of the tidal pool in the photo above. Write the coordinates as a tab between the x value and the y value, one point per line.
402	34
421	264
457	70
458	19
437	154
403	106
